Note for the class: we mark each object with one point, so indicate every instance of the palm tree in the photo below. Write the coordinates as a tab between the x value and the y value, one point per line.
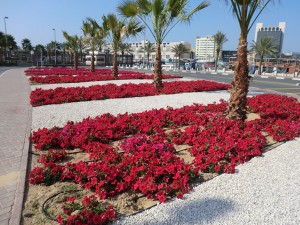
82	46
124	47
246	12
73	44
164	16
179	50
92	34
27	46
265	46
148	49
220	39
118	31
50	49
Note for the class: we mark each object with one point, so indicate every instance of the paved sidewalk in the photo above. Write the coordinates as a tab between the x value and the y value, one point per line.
15	125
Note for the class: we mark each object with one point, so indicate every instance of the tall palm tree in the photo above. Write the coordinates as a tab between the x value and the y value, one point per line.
73	44
124	48
265	46
148	49
220	39
179	50
164	16
92	34
246	12
118	31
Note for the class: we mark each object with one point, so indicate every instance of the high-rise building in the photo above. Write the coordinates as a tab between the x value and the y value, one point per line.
276	33
205	47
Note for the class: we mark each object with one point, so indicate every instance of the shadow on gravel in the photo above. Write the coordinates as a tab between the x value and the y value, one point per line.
203	211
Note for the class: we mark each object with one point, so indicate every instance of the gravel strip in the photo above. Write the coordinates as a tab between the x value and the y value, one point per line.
87	84
263	191
57	115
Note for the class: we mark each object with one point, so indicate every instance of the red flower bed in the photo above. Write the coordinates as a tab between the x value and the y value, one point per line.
147	162
71	72
60	95
68	75
54	79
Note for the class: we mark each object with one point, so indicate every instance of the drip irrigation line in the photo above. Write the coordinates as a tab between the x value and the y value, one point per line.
45	212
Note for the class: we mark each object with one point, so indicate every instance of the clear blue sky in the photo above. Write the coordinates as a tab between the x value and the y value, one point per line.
35	19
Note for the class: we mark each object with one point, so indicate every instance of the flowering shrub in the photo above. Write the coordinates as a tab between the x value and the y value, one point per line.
280	115
60	95
89	211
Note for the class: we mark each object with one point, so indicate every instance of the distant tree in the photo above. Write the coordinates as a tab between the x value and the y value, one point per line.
179	50
124	48
26	46
38	50
11	43
82	45
118	31
220	39
73	45
93	34
264	47
148	49
163	15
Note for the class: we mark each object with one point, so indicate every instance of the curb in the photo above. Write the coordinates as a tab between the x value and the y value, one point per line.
17	208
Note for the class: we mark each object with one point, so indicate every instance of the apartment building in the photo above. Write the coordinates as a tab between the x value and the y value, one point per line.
205	48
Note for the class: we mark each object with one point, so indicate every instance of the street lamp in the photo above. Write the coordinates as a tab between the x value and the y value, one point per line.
55	44
5	35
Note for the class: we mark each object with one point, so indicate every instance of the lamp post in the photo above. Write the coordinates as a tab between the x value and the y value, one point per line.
54	44
5	35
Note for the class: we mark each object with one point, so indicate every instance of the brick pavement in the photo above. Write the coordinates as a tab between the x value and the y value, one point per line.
15	125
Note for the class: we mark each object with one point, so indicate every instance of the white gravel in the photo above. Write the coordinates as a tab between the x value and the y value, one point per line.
265	190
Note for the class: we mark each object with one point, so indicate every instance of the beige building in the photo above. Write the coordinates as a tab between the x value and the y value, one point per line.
166	51
205	48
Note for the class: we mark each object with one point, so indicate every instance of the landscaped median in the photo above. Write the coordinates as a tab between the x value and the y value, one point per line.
150	155
68	75
109	91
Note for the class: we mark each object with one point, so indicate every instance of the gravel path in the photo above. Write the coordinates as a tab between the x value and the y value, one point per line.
265	190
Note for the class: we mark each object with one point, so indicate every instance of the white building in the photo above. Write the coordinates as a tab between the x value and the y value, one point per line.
166	51
205	48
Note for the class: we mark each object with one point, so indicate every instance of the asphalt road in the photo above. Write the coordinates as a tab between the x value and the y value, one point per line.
3	69
286	85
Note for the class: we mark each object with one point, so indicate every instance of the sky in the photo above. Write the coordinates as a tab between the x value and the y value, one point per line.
36	19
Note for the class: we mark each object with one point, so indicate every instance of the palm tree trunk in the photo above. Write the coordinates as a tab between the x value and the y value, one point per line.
260	65
217	59
115	64
178	62
75	61
148	60
157	69
238	95
93	62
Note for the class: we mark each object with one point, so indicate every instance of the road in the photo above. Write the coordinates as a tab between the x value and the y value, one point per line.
286	85
3	69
